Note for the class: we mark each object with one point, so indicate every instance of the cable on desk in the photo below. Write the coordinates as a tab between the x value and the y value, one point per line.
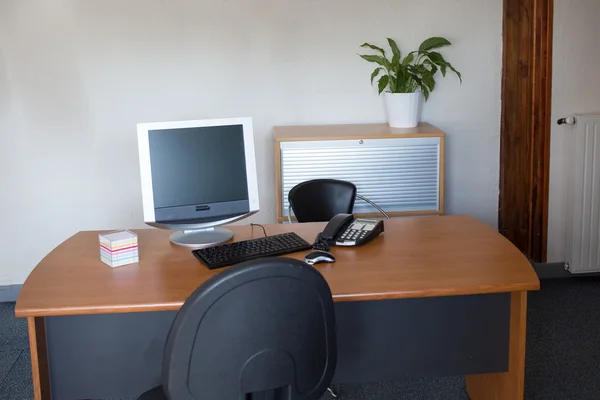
263	228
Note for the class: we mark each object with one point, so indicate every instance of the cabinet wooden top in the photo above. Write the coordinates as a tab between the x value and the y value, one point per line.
352	131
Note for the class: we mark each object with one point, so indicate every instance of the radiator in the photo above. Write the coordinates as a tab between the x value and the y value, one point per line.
583	205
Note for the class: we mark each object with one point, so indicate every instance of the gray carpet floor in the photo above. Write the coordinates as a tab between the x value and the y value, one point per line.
563	352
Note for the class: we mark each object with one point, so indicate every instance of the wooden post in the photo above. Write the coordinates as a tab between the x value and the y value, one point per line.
39	358
525	125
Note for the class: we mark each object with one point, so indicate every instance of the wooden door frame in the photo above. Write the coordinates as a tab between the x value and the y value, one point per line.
525	124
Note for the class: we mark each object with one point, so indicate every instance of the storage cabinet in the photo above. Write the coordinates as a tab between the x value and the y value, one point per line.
401	170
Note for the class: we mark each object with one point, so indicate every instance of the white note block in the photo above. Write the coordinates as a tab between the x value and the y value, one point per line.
118	248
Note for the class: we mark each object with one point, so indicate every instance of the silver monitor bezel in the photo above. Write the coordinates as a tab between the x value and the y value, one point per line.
146	168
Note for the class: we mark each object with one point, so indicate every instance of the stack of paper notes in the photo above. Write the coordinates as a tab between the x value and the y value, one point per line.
119	248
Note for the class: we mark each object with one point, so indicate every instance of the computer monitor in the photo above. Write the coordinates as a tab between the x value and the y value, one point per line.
197	175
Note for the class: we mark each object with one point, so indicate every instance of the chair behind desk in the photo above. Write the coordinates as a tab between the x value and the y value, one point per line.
319	200
261	329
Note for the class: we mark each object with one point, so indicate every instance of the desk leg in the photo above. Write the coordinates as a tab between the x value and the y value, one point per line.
507	385
39	358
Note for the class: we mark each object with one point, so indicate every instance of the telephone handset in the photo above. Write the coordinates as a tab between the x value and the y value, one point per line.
345	230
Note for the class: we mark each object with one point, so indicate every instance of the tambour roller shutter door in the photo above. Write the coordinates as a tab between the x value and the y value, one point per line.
398	174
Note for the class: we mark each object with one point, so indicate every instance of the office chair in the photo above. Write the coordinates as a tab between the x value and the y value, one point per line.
319	200
262	329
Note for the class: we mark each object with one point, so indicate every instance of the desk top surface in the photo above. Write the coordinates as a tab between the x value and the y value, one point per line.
414	257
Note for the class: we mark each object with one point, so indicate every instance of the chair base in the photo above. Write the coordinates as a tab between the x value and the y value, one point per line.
334	392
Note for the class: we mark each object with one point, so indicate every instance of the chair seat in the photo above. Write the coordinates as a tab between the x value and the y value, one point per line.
154	394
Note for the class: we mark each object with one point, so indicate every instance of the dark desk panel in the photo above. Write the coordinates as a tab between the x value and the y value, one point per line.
120	355
436	336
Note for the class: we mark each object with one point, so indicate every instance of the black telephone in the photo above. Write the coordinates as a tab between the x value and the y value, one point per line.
345	230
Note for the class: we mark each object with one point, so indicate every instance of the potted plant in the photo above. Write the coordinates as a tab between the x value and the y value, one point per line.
407	78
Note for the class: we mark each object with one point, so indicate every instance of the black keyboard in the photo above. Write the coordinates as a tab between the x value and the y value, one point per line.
233	253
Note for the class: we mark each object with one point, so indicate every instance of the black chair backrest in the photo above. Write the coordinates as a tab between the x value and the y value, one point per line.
320	200
262	325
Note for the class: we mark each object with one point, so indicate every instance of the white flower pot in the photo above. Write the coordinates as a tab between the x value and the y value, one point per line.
402	109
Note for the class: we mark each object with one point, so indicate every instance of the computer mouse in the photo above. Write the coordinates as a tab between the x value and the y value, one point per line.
319	256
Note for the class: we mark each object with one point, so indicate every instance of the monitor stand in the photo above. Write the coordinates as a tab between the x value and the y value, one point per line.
201	237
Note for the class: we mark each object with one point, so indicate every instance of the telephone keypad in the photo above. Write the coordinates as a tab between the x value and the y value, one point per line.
360	232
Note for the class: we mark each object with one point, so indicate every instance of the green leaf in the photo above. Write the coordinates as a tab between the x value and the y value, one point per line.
394	47
396	62
455	71
376	59
426	93
408	59
393	82
431	66
429	81
434	43
375	73
436	58
434	69
400	81
415	69
373	47
383	82
417	79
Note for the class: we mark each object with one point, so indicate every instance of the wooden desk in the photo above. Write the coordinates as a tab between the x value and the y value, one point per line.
414	258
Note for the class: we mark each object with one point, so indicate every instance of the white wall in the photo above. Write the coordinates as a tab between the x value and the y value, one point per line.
76	76
575	90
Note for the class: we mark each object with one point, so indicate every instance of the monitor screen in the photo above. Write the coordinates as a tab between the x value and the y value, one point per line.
198	166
